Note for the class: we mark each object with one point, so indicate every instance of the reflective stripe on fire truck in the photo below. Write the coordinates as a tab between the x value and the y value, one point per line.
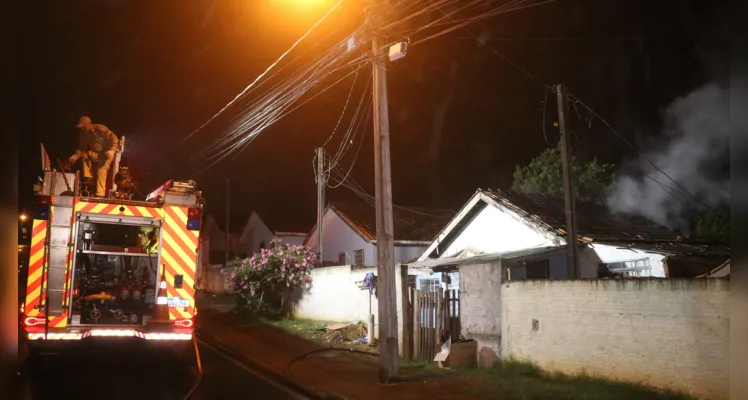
37	258
179	255
114	209
36	264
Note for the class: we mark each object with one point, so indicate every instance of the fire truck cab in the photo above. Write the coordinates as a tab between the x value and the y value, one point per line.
111	266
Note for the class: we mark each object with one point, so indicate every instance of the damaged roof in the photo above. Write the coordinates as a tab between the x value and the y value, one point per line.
411	224
595	222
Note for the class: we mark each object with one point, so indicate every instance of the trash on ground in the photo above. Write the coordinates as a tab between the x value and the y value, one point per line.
345	332
458	354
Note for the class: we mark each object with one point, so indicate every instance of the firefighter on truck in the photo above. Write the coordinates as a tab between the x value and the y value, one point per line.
110	265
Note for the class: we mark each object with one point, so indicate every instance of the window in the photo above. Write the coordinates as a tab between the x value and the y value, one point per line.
262	245
358	257
537	269
430	285
341	258
630	268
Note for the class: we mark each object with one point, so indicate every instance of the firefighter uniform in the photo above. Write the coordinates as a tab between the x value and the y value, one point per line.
96	147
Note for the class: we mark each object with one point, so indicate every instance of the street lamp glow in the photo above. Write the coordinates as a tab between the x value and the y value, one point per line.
23	217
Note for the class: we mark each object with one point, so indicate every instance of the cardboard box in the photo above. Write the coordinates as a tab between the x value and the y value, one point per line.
460	354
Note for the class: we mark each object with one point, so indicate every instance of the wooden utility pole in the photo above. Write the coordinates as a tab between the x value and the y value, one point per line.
228	235
571	212
387	309
320	200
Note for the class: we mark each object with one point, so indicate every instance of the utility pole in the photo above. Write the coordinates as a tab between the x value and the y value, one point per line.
387	309
571	212
228	235
320	199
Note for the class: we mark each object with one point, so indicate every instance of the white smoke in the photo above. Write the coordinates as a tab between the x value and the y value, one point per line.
697	136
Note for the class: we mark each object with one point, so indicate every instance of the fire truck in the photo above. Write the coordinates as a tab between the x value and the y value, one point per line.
111	266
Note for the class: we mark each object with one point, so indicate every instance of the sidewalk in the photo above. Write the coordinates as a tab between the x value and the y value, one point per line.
343	374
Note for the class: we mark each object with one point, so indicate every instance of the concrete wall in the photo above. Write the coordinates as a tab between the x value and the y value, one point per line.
335	297
480	302
293	240
670	333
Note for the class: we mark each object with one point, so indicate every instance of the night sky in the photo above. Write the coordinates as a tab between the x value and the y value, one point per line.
154	71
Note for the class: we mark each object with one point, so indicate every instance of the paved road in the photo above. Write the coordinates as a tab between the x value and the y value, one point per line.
137	370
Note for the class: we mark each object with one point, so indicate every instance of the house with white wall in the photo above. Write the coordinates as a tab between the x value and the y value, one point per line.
349	233
257	234
499	239
496	222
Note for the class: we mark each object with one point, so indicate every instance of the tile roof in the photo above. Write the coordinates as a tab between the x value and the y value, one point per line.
595	222
411	224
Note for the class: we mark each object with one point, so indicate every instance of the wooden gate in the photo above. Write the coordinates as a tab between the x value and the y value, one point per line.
435	318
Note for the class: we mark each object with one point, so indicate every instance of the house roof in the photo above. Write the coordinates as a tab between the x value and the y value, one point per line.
288	223
411	224
595	223
721	271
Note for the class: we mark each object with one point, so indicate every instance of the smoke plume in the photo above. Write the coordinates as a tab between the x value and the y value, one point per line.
696	142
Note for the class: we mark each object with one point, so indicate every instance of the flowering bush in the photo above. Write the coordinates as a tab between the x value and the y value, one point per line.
265	278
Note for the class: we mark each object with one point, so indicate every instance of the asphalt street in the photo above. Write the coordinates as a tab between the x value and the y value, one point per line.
131	369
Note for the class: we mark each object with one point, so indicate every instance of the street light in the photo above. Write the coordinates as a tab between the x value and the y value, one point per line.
23	217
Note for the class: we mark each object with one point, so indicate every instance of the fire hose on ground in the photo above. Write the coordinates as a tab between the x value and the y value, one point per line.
199	370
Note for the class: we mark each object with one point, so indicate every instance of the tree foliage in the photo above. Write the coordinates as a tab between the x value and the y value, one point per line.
263	280
544	176
713	225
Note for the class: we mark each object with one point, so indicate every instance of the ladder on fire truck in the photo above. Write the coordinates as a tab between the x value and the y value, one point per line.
61	188
59	244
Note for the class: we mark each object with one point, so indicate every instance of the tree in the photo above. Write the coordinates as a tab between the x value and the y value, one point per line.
712	225
544	176
263	281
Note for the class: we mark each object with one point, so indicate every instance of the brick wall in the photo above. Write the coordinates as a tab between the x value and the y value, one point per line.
480	299
670	333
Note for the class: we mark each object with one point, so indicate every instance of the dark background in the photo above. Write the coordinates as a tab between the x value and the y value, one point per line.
155	71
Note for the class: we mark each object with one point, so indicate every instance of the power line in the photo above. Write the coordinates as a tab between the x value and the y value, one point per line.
251	85
592	112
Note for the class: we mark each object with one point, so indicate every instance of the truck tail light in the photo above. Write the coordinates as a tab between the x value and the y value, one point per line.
184	323
194	213
33	321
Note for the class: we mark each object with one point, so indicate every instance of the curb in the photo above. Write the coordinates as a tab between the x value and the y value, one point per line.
269	372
